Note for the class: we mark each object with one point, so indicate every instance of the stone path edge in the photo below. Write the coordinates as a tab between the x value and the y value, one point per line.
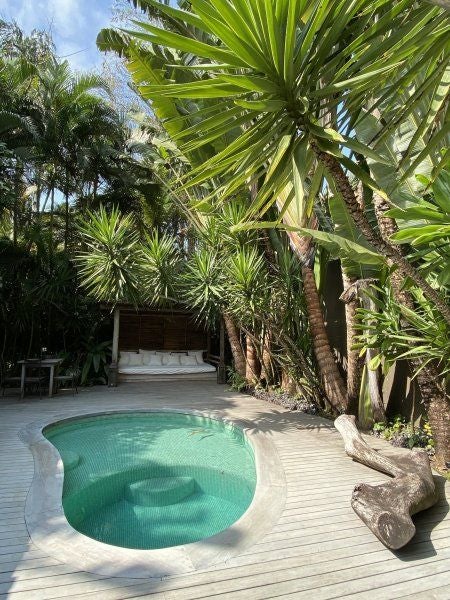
50	531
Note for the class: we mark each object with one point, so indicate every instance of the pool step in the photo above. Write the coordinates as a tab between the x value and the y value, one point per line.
70	459
160	491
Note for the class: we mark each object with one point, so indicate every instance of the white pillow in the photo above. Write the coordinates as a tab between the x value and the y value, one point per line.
146	355
198	355
188	360
135	360
124	358
171	360
153	360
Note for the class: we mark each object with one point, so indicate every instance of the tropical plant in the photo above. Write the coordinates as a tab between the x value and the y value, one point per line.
94	358
111	264
401	333
290	81
276	69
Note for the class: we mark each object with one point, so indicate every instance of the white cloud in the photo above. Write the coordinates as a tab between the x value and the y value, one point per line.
74	25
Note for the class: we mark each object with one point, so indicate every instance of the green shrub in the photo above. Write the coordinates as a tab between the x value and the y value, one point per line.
236	381
402	434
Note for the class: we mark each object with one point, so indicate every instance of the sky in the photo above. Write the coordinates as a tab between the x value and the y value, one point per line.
74	25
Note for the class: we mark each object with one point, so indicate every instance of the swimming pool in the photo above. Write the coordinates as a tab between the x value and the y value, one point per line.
153	480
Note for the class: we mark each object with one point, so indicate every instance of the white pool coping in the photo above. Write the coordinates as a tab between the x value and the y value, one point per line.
49	529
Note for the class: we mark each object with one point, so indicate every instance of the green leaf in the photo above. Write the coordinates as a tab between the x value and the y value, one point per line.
262	105
375	362
343	248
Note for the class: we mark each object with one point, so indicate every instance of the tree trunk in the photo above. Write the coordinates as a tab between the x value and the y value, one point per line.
17	181
386	508
384	247
373	376
253	370
354	291
287	383
95	188
235	344
267	371
331	378
52	209
66	212
434	396
355	362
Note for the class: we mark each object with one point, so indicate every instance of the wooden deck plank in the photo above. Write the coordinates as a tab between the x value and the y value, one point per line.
432	593
319	548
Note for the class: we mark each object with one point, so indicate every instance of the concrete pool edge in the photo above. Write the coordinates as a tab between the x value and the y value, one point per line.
49	529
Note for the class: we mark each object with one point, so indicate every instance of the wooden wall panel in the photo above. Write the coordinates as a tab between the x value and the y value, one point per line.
160	331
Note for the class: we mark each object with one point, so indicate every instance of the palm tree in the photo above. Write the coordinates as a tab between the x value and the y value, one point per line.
273	69
146	64
277	67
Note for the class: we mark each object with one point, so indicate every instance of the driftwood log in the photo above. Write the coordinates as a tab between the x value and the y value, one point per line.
386	508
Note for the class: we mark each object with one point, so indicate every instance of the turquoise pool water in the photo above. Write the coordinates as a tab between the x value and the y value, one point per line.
153	480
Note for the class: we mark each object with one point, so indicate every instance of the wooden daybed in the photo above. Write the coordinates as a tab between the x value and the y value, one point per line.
151	345
148	365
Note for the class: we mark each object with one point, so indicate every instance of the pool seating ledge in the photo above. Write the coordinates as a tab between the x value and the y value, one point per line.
49	529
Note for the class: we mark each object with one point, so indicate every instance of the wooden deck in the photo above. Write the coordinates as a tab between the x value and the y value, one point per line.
319	548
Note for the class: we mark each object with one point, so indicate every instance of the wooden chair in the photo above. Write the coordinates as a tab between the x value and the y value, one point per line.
69	380
36	379
9	382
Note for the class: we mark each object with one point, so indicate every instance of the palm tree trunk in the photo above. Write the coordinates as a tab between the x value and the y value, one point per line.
267	370
38	199
66	211
235	344
17	181
355	362
332	381
95	188
52	210
437	404
434	396
253	365
357	290
374	376
384	247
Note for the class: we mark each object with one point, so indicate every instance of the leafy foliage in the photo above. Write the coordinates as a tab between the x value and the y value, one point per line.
112	261
402	434
401	333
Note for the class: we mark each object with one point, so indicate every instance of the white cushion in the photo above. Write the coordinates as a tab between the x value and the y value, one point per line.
167	370
198	355
171	360
125	357
153	360
141	351
146	355
188	360
135	360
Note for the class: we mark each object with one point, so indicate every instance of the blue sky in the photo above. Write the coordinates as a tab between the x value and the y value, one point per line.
73	23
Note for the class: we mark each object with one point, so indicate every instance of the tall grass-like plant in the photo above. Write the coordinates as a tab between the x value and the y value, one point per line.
160	267
401	333
274	69
110	266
